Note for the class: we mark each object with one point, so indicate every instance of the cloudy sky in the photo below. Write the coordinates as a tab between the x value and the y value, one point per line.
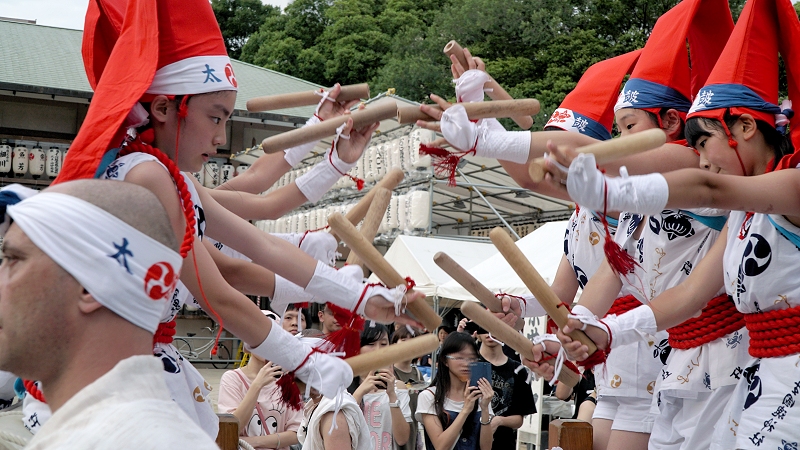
61	13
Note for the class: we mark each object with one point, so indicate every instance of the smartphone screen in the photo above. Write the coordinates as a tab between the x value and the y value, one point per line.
480	370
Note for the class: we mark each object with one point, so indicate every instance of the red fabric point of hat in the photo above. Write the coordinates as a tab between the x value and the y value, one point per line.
709	31
596	92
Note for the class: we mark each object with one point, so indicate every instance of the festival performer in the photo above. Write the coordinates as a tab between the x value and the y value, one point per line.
88	337
734	123
189	97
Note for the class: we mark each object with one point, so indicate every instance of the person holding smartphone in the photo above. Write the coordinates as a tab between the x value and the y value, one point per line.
383	399
513	398
252	396
454	414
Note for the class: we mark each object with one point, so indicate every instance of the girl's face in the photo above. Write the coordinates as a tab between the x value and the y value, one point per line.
459	362
377	345
630	120
716	155
204	128
289	322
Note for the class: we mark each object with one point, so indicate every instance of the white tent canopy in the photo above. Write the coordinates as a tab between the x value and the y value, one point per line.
543	248
412	256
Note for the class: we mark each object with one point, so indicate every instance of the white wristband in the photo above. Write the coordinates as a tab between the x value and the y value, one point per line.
638	323
282	348
294	155
470	86
337	286
531	307
317	181
504	145
287	293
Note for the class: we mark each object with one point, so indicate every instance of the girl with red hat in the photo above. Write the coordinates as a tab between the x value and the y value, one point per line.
737	127
175	64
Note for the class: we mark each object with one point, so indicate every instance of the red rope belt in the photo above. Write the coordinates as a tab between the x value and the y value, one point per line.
719	317
623	305
774	333
164	333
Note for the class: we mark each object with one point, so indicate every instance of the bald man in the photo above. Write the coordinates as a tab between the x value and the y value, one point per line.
87	269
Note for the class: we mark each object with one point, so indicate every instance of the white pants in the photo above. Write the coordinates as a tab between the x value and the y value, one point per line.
627	413
687	423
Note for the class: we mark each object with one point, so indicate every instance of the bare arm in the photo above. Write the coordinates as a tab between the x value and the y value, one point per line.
246	277
265	172
340	437
512	422
401	430
251	206
443	439
601	291
284	438
682	302
563	392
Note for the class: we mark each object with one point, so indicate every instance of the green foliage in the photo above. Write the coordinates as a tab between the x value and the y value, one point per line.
535	48
238	19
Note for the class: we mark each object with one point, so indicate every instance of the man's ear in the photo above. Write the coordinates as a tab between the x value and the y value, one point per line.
748	126
159	108
671	121
87	303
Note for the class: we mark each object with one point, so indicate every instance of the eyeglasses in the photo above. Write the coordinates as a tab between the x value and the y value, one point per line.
461	359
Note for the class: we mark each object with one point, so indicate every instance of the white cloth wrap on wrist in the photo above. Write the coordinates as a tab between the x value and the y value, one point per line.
486	138
287	293
530	307
632	326
295	155
558	364
318	244
122	268
470	86
325	373
317	181
643	194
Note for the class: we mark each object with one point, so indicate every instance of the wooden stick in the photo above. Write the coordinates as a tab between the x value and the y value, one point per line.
376	112
470	283
479	110
377	209
607	151
538	287
402	351
295	99
511	337
495	91
378	264
359	211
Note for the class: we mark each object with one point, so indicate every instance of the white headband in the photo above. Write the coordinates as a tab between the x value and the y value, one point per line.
125	270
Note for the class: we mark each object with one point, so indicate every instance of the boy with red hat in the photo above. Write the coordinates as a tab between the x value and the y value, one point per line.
738	128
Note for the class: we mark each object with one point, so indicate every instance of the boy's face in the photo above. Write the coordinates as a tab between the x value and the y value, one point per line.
204	128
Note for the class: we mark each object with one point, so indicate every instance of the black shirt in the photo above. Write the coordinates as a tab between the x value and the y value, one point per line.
512	397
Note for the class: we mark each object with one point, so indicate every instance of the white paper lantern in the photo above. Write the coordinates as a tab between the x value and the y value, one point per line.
394	155
37	162
200	176
419	210
53	163
19	160
402	213
241	168
211	176
394	208
227	173
5	158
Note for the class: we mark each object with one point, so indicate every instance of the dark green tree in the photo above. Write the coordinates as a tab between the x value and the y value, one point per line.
238	19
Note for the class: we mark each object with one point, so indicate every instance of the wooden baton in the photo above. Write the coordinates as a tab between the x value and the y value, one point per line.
510	337
470	283
359	211
295	99
402	351
378	264
381	110
494	90
536	284
377	209
478	110
607	151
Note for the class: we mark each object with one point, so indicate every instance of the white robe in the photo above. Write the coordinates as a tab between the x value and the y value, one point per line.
127	408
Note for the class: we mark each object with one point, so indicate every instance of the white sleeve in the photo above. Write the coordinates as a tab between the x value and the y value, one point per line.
425	404
405	404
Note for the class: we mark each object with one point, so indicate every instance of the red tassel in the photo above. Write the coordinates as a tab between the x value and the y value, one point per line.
359	183
290	393
164	333
621	262
444	162
348	338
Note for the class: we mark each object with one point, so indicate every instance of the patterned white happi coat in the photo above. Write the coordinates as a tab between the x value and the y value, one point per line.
188	388
761	263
